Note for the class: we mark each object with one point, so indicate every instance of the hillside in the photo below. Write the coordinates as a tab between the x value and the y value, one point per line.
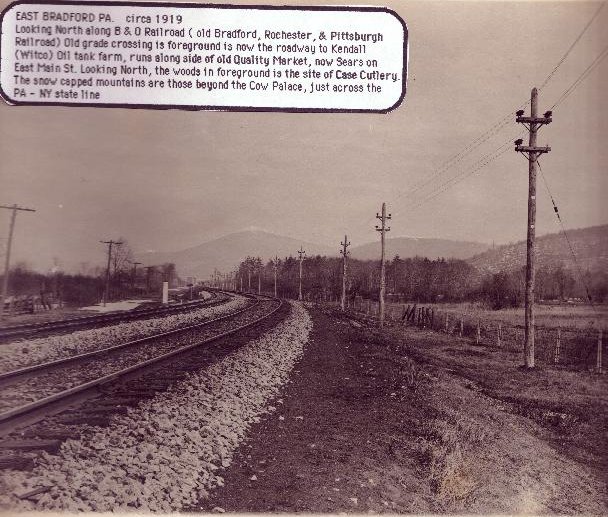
590	246
411	247
227	251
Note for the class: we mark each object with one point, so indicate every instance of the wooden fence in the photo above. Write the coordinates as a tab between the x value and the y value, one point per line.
582	348
28	304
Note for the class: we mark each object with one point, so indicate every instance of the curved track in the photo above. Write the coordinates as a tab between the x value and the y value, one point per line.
49	327
31	394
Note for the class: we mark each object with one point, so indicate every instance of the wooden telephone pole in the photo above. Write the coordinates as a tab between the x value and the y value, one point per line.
533	123
134	277
7	257
260	270
382	229
344	254
110	243
301	254
148	276
276	265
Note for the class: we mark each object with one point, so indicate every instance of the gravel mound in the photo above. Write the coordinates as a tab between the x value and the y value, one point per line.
169	451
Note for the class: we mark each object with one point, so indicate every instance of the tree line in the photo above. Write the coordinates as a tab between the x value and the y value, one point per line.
417	279
87	285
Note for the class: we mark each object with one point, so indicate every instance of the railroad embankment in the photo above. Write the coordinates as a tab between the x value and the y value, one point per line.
326	413
412	421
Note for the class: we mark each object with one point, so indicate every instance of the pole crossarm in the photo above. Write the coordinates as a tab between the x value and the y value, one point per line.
532	149
344	245
15	207
534	120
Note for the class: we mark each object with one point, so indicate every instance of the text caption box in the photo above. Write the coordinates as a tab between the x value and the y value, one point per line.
203	57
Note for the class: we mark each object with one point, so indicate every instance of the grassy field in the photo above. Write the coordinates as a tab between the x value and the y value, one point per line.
567	335
550	316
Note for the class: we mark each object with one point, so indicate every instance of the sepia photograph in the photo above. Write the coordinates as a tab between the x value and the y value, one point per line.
303	257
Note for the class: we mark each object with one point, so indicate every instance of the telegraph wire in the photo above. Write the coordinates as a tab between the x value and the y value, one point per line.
480	164
457	158
565	234
498	126
572	46
486	135
581	77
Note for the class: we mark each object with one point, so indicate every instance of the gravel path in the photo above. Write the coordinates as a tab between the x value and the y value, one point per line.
34	351
167	453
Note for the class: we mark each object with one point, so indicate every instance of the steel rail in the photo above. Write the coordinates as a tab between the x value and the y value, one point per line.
32	328
21	411
74	358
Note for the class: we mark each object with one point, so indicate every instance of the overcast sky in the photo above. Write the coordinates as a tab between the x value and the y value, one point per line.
168	180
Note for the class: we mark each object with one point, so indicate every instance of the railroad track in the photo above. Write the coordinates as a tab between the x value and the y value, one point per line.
144	368
41	329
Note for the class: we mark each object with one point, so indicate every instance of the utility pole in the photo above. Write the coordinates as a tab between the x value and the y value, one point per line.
7	257
134	275
260	269
344	254
148	277
382	229
107	290
301	254
533	123
276	266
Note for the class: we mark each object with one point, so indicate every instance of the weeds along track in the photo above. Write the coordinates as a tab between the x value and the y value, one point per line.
8	334
30	394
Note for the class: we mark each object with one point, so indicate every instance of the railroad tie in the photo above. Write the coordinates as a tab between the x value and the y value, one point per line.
16	462
48	433
30	445
104	410
90	419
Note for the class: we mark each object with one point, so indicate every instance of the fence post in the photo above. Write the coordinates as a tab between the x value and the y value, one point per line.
447	321
598	366
498	332
557	345
461	326
478	337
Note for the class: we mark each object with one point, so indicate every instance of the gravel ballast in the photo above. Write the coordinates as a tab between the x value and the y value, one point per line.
168	452
24	353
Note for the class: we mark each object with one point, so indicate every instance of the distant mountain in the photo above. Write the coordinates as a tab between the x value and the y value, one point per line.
407	247
226	252
590	247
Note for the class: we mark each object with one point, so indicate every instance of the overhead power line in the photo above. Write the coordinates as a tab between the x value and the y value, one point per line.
568	91
565	234
548	78
502	122
493	130
478	165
